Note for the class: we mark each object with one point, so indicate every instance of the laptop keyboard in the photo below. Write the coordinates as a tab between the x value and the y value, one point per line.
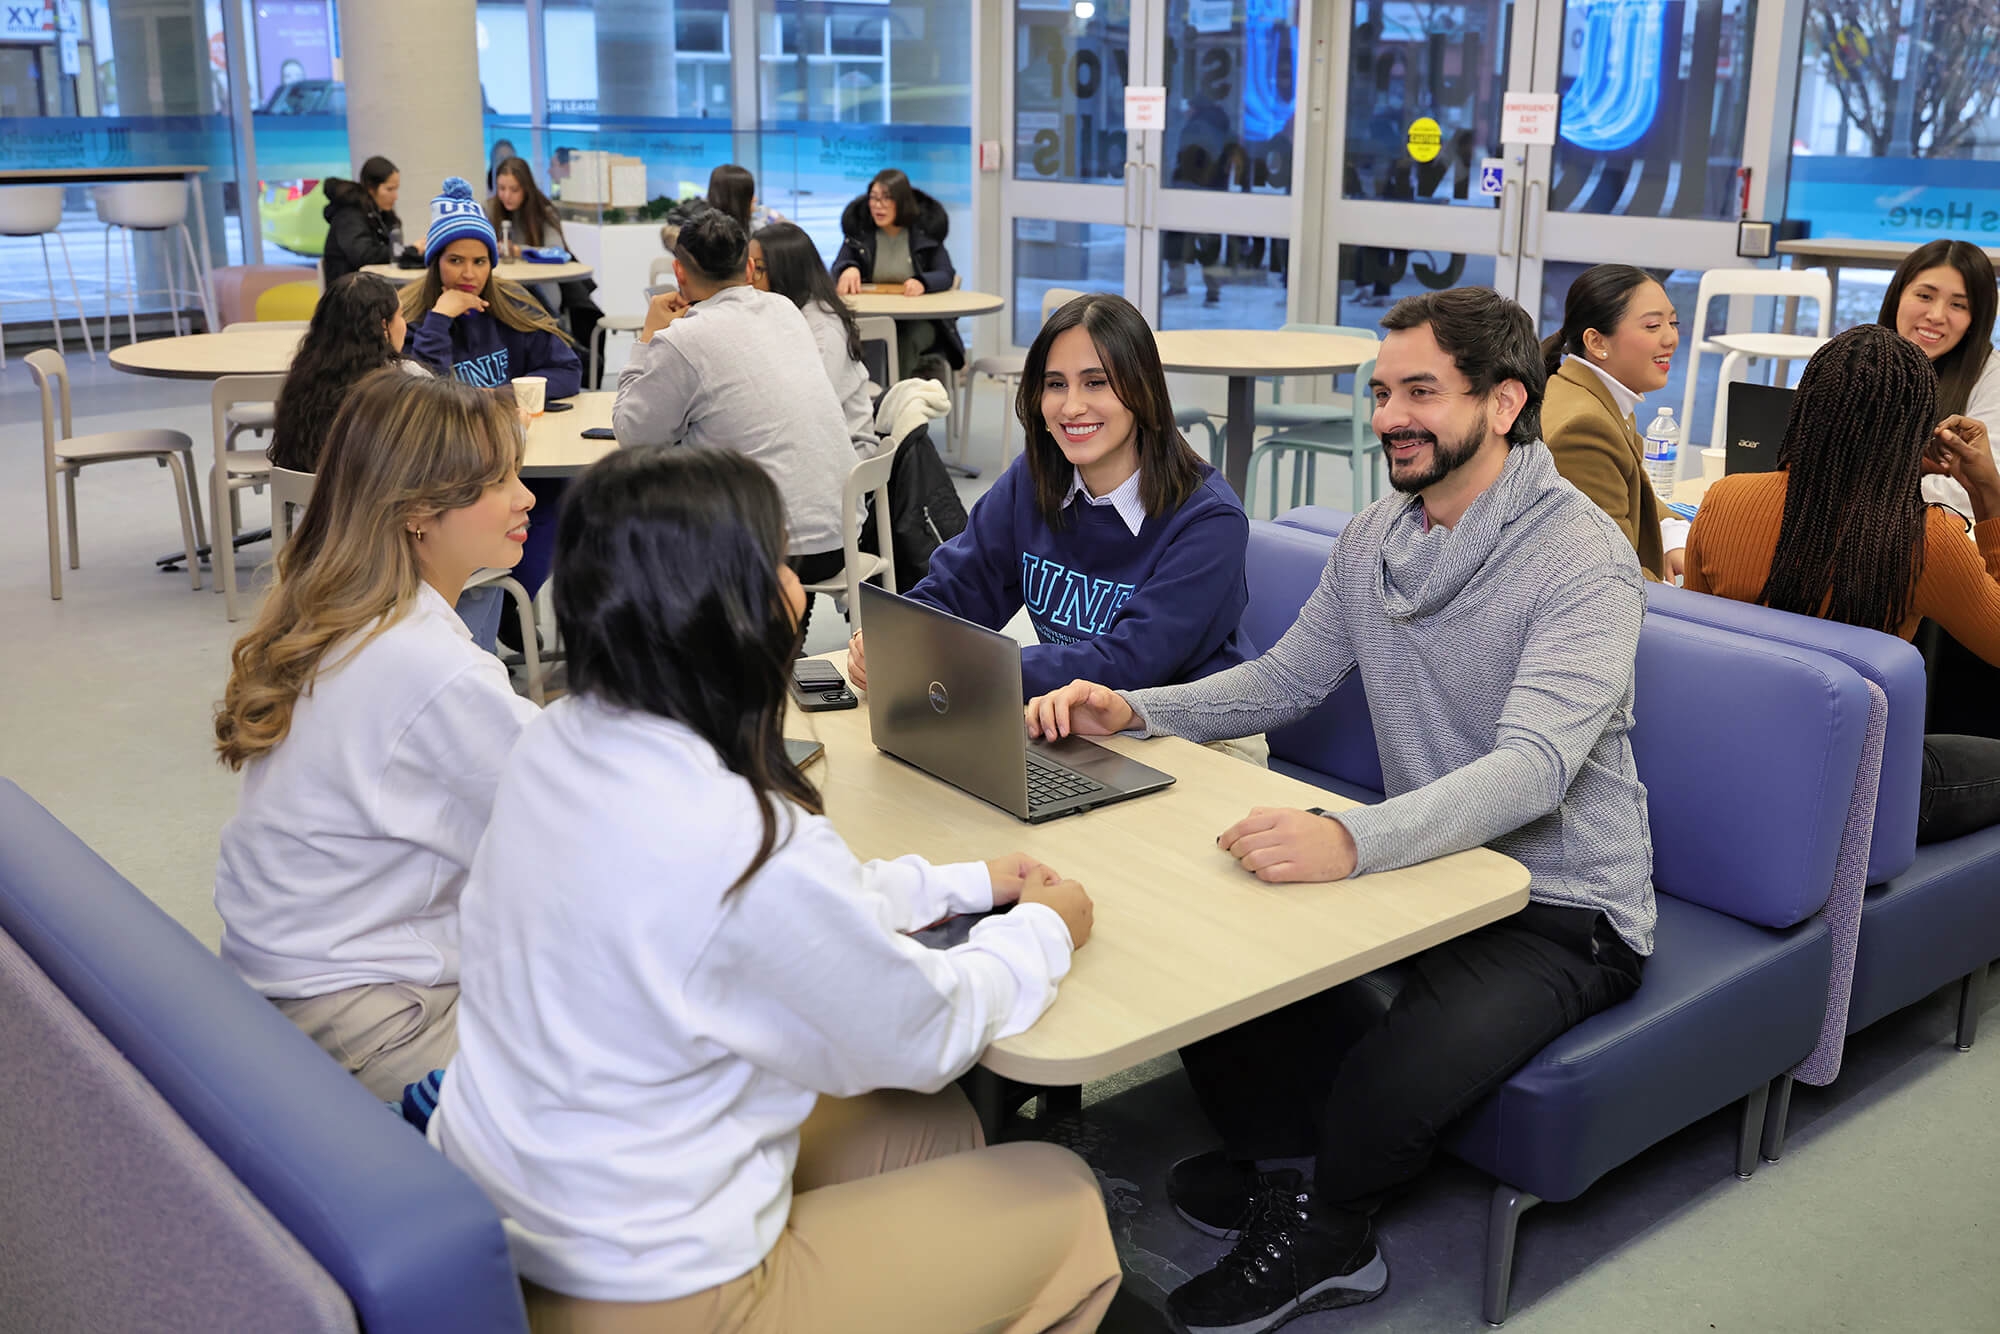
1050	783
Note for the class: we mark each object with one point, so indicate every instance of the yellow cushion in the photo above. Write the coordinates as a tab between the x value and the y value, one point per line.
288	301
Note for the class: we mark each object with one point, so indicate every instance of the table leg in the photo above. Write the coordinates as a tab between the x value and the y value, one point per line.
988	1092
207	264
1241	432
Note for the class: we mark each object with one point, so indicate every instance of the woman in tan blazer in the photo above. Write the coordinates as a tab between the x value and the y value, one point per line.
1616	345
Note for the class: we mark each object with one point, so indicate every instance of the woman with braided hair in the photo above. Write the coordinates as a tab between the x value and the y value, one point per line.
1841	531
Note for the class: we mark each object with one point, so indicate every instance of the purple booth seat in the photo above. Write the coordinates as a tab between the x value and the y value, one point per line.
1315	519
1749	792
283	1174
1931	915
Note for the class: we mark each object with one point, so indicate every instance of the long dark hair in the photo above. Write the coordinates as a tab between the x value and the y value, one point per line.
348	337
795	271
1851	547
668	594
1169	470
896	185
1957	370
536	218
374	171
1597	300
733	190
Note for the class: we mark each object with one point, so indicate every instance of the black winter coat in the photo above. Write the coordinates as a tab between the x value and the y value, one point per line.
357	233
927	255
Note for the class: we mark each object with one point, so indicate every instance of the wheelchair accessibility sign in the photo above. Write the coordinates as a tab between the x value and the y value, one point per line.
1492	176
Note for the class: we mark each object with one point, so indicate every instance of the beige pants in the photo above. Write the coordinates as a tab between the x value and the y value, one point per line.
386	1035
902	1224
1251	749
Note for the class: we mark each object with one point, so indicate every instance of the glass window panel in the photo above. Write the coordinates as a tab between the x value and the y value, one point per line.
847	88
1069	89
648	63
1232	90
1373	278
1653	102
1423	99
1081	256
1896	129
1210	281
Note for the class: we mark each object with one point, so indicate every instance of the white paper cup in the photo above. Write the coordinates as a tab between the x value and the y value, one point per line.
1713	463
531	391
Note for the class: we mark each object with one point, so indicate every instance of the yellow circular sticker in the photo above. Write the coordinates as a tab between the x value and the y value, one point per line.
1425	139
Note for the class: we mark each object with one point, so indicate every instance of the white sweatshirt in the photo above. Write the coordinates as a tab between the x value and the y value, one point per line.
1982	405
638	1043
343	863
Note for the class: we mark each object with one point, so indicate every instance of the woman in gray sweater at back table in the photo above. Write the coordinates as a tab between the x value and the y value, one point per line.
722	365
783	259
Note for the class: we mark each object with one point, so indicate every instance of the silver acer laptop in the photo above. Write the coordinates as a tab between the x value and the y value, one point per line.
944	695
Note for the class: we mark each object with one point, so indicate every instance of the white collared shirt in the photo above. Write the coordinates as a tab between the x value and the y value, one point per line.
1673	532
1124	498
351	841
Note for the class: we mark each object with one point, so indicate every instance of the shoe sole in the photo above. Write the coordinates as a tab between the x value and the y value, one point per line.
1363	1285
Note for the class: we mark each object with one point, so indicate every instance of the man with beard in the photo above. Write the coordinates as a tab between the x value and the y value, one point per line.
1493	612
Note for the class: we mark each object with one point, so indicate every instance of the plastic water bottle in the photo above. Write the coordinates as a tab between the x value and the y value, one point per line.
1663	453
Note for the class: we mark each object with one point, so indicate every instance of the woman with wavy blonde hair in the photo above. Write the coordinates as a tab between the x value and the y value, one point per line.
370	730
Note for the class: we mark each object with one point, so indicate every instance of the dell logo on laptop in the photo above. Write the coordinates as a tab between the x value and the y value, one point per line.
940	698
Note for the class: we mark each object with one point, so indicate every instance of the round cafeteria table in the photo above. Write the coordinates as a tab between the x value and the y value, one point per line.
1245	355
950	304
556	447
513	271
210	356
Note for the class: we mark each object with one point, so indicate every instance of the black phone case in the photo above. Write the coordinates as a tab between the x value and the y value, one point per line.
820	698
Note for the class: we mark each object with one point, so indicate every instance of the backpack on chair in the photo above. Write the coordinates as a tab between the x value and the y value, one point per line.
924	509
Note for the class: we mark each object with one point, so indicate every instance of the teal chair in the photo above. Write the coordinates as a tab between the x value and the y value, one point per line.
1349	437
1280	415
1189	418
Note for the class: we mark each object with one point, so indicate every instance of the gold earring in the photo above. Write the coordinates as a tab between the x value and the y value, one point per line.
420	534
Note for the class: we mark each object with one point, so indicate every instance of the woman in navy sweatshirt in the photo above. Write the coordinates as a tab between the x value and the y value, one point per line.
466	321
1124	546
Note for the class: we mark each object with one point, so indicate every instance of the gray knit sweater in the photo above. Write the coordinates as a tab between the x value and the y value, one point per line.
1498	662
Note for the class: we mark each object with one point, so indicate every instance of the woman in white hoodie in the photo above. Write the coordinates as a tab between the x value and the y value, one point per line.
681	989
370	729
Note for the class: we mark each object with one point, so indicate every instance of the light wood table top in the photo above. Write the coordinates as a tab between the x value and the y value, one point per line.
1251	352
512	271
1185	944
556	447
1856	253
53	175
947	305
210	356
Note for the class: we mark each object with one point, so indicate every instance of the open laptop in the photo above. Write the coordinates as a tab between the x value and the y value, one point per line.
1754	426
944	695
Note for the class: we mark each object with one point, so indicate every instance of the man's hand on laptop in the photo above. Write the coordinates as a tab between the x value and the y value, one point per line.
1282	846
1081	708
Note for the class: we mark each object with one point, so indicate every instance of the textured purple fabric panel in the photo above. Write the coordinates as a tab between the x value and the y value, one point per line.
1843	905
113	1215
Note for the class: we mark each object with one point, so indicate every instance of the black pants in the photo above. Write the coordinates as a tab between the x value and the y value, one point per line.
1961	787
1369	1092
814	569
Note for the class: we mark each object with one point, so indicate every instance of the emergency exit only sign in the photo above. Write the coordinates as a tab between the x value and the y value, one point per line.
1529	118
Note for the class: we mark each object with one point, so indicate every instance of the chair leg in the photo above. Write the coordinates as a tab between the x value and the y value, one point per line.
1775	1118
1503	1224
55	316
131	293
69	502
182	467
222	549
1751	1128
1971	994
55	534
107	287
1359	473
199	290
531	653
596	342
76	296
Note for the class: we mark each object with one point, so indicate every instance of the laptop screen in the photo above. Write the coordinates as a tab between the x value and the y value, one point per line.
1755	427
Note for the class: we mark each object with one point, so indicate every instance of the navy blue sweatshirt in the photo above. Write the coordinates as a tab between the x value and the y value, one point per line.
478	349
1124	611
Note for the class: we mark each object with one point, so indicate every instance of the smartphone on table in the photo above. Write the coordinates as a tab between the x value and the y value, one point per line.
817	685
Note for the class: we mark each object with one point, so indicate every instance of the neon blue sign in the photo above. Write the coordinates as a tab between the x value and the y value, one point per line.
1616	94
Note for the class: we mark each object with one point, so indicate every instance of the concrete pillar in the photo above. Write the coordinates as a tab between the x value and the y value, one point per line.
412	74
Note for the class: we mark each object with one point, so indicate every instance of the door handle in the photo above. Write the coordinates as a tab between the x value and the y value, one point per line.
1152	196
1538	210
1507	214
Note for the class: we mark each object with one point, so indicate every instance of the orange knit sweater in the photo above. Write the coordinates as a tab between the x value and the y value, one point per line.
1735	535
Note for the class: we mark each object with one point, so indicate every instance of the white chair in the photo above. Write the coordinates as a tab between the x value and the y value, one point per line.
1005	370
660	273
256	418
66	455
294	490
881	329
869	477
37	210
151	206
232	471
1745	282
